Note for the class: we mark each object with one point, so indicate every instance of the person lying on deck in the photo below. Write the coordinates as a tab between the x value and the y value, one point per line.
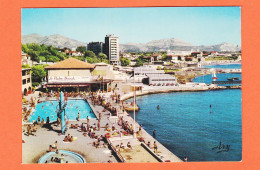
66	139
129	145
72	126
34	128
69	138
51	149
122	146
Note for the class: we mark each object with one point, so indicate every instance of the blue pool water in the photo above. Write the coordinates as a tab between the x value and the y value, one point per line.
187	126
69	156
72	109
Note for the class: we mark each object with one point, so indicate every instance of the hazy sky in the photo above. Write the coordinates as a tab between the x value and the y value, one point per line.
197	25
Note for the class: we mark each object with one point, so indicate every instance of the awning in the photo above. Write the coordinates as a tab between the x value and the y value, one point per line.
67	85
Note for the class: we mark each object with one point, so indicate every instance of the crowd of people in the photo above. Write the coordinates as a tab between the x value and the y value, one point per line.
90	130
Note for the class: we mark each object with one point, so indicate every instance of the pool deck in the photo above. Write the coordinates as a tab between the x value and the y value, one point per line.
36	146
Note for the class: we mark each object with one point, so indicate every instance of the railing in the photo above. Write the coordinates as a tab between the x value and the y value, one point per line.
118	155
151	152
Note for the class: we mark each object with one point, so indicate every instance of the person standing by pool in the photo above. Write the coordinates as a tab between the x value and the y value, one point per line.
155	147
98	125
78	117
154	133
48	121
38	120
87	120
55	145
28	129
99	115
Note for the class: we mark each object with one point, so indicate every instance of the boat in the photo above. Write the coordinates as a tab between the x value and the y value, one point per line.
214	77
233	78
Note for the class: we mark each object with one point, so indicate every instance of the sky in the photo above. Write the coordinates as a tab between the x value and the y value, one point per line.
196	25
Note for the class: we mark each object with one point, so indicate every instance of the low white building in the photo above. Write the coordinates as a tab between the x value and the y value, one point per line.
75	53
142	72
147	70
161	80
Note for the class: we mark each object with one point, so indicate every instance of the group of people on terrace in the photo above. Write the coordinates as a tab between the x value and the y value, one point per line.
124	127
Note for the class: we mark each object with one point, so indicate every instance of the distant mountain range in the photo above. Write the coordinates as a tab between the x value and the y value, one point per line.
55	40
173	44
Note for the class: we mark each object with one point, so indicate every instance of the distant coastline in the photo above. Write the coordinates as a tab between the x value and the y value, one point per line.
225	62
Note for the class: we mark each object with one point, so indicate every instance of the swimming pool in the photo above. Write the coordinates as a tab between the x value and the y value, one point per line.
48	108
69	156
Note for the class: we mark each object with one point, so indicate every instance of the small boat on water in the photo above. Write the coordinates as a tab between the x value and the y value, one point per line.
233	78
214	77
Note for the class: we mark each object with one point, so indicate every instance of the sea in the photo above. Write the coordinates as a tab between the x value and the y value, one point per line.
204	126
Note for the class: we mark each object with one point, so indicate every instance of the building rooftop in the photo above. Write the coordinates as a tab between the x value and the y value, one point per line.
147	70
71	63
161	76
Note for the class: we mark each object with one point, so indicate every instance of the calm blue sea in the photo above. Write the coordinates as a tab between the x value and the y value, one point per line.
233	66
221	77
188	126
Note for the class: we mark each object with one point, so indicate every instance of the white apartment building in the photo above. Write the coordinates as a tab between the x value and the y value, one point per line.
112	49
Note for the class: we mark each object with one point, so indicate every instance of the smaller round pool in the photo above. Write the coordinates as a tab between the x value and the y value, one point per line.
62	157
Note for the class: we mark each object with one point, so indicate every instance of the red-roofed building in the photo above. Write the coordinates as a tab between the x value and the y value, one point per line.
154	57
196	54
72	75
74	53
174	58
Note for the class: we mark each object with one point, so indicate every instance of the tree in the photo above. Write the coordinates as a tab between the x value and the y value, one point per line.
90	54
125	61
52	58
81	49
80	58
26	66
25	48
34	47
52	50
38	73
164	58
96	60
102	56
138	63
89	59
34	56
105	61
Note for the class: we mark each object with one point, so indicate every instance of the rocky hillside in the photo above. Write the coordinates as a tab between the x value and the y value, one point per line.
176	45
155	45
55	40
